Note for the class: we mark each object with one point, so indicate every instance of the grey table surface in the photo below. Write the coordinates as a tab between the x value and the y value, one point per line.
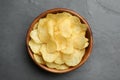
103	17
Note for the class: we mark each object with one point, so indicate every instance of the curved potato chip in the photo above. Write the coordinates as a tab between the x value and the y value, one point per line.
48	57
43	31
60	41
50	25
62	67
35	47
57	66
35	26
76	20
82	53
76	29
51	16
51	46
73	59
38	59
65	28
34	36
59	59
69	49
79	41
86	44
83	27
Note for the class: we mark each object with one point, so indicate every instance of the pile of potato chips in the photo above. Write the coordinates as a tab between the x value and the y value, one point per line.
58	41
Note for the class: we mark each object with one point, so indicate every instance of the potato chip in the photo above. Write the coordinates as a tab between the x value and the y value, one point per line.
76	29
60	41
86	44
62	67
42	22
57	66
43	32
51	46
69	49
83	27
65	28
35	26
75	20
82	53
48	57
59	59
51	16
34	36
38	59
35	47
79	41
50	25
73	59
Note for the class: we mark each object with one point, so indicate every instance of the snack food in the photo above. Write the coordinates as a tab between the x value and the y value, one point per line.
59	40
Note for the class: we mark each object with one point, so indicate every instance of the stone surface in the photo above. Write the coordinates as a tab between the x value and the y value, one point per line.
103	17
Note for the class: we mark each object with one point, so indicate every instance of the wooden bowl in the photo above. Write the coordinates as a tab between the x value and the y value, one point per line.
88	35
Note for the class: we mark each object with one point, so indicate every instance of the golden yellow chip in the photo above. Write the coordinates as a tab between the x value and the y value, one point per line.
79	41
59	59
75	20
34	36
60	41
83	27
35	47
73	59
51	16
86	44
35	26
51	46
57	66
38	59
76	29
82	53
43	31
65	28
50	25
62	67
48	57
69	48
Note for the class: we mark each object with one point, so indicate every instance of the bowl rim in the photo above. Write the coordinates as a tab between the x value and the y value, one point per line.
57	10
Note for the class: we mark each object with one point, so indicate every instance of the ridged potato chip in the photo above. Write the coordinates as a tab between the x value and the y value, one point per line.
48	57
38	59
34	36
57	66
35	47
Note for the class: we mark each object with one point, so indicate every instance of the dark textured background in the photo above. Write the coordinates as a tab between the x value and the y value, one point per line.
103	17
